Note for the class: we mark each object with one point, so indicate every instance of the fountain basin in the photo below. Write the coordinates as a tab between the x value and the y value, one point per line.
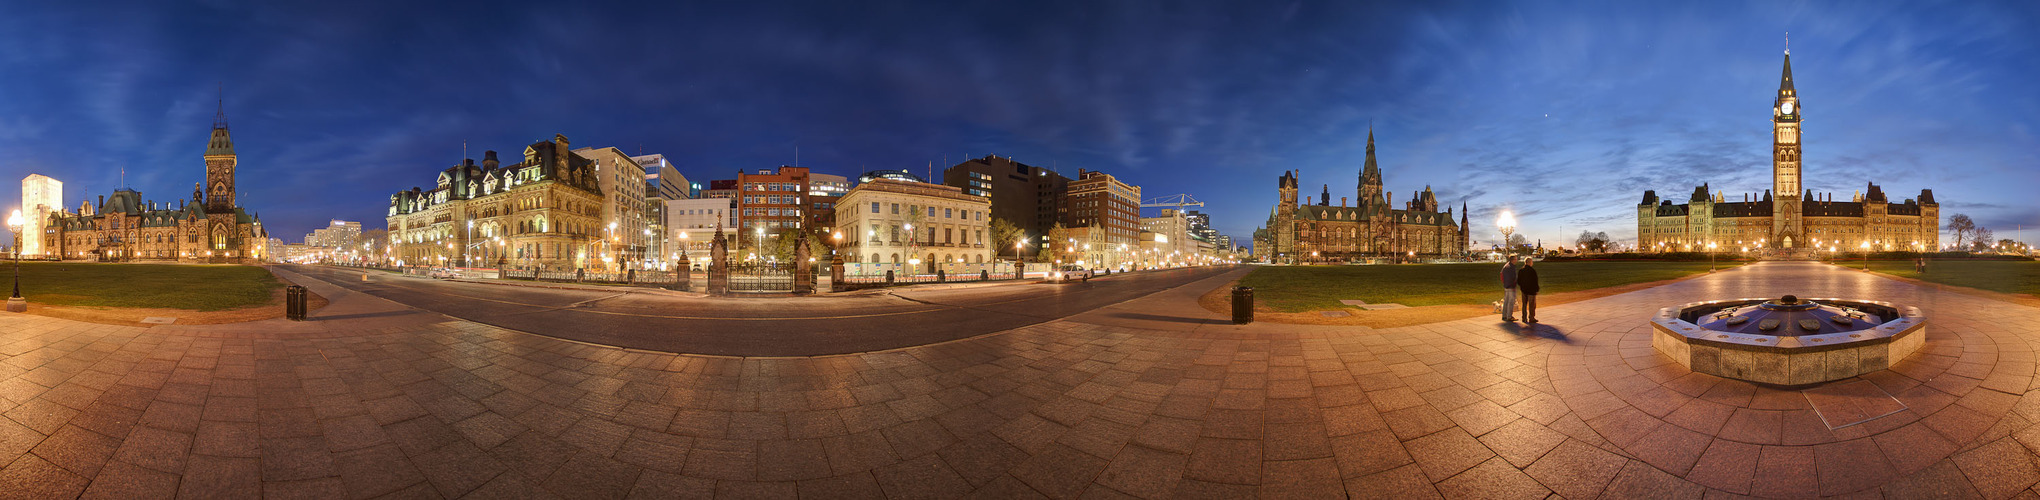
1786	341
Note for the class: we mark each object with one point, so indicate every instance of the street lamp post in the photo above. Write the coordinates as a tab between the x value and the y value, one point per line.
14	302
1710	256
1507	223
1866	255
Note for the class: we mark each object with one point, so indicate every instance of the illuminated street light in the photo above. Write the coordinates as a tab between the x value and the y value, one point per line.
14	302
1507	223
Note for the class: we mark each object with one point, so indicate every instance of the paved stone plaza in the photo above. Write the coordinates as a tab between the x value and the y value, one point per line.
1151	398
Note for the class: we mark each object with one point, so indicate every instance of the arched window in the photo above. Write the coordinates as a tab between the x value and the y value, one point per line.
874	258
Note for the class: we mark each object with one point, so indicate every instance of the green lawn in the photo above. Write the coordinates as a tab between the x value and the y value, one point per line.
2006	276
1312	288
194	287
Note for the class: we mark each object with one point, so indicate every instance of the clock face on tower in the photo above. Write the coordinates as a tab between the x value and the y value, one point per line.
1787	107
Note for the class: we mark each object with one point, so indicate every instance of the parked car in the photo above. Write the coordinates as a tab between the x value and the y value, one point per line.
442	273
1069	272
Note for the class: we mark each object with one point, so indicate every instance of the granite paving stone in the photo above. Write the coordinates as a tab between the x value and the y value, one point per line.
410	403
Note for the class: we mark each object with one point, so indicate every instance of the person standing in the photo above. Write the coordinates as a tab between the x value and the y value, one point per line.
1526	282
1509	290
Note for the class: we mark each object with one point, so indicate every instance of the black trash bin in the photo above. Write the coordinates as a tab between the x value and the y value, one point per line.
294	303
1242	305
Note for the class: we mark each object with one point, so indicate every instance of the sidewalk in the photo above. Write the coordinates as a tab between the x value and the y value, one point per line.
1152	398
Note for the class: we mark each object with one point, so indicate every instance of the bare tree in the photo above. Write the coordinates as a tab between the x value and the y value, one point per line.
1983	238
1961	225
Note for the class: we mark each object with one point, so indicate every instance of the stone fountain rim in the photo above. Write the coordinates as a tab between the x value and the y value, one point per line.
1910	320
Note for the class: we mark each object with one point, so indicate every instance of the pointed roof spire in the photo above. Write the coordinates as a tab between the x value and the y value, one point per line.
222	143
1371	173
220	120
1785	82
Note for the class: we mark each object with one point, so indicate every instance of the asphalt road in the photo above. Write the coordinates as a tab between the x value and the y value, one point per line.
796	326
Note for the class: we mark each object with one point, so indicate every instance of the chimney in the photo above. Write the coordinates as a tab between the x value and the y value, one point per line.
489	159
1342	202
1306	200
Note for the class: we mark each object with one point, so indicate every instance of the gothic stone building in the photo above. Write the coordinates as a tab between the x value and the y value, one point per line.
544	212
1371	227
1788	219
211	228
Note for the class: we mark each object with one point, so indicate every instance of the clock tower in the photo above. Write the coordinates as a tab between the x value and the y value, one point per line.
1787	221
219	167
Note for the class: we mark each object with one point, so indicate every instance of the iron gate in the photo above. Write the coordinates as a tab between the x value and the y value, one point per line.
761	277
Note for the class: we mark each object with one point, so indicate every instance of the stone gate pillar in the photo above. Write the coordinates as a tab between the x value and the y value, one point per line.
683	274
719	264
803	271
836	283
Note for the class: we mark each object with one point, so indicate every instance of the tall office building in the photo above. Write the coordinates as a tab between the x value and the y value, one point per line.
40	195
1104	217
1032	198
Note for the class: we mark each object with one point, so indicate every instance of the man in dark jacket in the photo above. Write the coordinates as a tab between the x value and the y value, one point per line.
1509	290
1526	284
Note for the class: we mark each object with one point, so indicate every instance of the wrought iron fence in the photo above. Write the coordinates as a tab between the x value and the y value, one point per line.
918	278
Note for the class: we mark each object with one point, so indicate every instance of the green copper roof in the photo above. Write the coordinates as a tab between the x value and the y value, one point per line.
221	143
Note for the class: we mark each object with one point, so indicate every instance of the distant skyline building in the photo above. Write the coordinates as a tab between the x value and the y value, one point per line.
663	183
625	231
1166	237
1200	226
895	174
824	191
772	200
336	234
1103	216
661	179
40	196
691	226
1031	198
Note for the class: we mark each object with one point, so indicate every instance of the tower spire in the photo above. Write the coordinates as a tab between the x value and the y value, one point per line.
1370	175
220	120
1785	82
222	143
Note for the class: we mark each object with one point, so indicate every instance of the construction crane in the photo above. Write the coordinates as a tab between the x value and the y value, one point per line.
1177	201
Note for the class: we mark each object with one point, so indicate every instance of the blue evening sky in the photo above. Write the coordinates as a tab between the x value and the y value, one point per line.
1562	111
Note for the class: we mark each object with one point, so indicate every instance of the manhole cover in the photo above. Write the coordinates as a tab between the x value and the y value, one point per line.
159	320
1378	307
1334	314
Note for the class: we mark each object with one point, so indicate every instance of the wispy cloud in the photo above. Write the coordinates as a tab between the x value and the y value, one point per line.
1563	113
